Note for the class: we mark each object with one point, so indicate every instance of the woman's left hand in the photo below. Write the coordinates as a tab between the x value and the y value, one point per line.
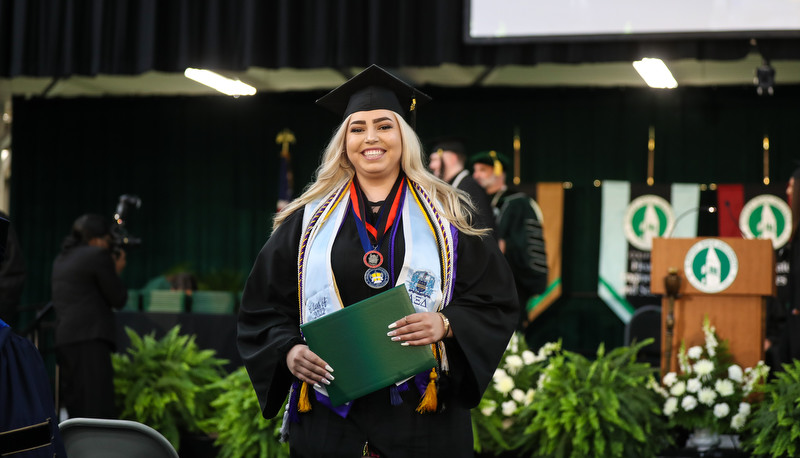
423	328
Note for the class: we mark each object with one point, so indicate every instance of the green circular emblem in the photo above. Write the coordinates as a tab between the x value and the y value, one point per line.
711	265
647	217
767	217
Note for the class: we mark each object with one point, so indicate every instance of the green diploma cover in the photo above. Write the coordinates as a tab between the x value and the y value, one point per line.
354	343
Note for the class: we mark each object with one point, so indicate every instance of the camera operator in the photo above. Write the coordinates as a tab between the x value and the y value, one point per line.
85	288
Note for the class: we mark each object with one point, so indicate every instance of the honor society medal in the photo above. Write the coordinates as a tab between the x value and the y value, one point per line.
373	258
376	277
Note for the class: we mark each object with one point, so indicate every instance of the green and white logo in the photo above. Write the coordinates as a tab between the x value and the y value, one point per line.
647	217
711	265
767	217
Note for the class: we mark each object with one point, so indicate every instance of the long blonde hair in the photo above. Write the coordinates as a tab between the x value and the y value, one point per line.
336	170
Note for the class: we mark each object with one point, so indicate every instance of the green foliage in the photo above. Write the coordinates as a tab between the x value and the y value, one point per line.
601	408
243	431
774	426
495	422
167	384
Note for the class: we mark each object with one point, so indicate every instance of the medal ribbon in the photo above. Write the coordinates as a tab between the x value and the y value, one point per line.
367	233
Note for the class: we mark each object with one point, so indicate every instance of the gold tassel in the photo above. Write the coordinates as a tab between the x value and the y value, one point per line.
498	166
428	403
303	405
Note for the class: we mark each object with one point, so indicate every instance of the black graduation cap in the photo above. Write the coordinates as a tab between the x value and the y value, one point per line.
374	89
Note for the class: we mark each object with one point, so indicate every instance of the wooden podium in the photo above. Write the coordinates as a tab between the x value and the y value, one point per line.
737	312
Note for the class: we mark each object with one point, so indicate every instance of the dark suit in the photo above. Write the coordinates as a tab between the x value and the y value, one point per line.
86	288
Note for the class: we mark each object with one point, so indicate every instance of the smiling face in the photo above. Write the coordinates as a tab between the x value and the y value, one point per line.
374	145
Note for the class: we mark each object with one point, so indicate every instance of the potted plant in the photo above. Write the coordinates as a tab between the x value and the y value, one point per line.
242	430
601	408
711	394
774	429
495	422
167	384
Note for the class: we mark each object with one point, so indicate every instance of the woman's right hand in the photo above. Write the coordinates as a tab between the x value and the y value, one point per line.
307	366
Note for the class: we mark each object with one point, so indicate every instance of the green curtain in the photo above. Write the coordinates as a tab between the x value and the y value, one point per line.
206	168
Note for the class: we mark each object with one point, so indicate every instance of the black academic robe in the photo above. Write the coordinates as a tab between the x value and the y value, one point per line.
482	314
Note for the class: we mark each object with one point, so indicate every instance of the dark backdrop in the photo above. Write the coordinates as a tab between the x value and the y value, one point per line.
206	168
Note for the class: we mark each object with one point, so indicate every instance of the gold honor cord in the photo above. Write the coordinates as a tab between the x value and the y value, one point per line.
516	156
651	155
765	146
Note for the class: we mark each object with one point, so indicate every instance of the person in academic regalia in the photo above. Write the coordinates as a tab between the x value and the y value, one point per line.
86	288
448	161
375	218
519	227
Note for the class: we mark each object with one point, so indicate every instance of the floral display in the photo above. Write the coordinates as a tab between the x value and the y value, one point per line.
495	420
711	391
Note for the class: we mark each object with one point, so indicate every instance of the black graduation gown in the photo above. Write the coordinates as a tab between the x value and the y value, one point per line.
482	314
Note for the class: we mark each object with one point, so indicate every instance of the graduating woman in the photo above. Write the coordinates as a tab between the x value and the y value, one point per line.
374	218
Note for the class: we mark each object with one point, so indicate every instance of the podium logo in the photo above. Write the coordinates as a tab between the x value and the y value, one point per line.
711	265
647	217
767	217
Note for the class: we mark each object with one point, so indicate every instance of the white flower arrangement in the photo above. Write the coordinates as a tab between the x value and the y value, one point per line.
710	391
513	389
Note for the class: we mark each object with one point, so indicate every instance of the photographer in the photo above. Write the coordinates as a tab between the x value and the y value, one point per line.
85	288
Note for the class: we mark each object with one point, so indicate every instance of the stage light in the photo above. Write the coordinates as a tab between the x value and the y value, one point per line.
219	82
764	79
655	73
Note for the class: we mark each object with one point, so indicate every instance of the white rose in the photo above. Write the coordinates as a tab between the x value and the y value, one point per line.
703	367
738	420
518	395
735	373
528	357
513	364
499	374
489	409
670	378
744	408
688	403
693	385
724	387
678	389
508	408
507	423
670	406
707	396
514	343
695	352
721	410
529	396
504	385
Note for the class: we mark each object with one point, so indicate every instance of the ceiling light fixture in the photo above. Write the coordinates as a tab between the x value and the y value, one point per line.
219	82
655	73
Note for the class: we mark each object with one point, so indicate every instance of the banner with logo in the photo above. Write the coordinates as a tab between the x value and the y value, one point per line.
550	197
632	215
758	212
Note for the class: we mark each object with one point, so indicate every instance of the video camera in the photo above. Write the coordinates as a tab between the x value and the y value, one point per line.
119	233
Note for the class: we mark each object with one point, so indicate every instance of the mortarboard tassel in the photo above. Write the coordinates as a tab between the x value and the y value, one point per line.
303	405
428	403
498	166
